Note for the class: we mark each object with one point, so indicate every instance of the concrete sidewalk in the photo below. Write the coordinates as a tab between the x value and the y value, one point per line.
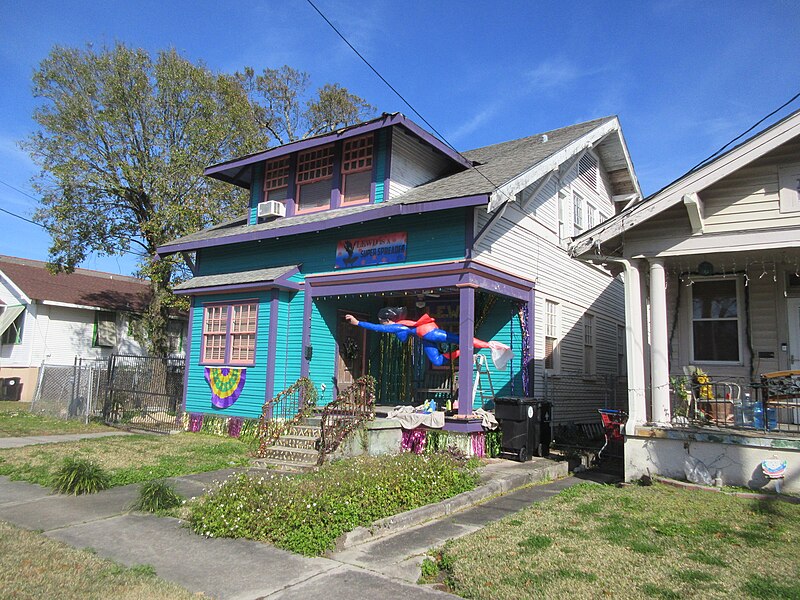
30	440
242	569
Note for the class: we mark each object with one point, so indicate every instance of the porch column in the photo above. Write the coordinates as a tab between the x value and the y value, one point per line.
659	360
466	332
634	342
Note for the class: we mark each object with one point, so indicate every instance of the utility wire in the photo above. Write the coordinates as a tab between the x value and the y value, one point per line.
47	228
740	136
399	95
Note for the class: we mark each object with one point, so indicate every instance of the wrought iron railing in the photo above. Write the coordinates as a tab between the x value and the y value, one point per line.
288	408
352	408
771	404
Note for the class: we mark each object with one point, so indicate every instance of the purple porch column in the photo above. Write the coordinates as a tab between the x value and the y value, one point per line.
466	331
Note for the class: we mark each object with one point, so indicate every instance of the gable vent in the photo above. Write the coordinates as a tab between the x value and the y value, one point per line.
587	170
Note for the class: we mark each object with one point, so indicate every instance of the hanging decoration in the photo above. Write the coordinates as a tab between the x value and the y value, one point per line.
522	313
226	385
413	440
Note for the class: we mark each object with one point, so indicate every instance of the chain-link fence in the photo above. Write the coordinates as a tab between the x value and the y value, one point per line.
72	391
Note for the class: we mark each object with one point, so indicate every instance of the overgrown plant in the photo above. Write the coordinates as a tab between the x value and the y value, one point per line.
80	476
157	497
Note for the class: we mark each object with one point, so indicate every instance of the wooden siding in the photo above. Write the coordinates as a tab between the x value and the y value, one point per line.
289	342
429	239
322	367
502	325
198	393
380	166
526	243
413	163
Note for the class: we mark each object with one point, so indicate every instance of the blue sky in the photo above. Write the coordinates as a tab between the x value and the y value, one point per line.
684	77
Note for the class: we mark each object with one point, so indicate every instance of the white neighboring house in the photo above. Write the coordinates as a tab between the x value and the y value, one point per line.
54	319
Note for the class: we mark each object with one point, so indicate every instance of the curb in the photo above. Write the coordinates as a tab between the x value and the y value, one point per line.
502	485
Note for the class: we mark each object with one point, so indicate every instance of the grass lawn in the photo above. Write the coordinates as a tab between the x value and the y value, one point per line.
33	566
129	459
17	421
595	541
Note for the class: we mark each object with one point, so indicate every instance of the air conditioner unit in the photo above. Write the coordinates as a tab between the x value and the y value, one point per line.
271	208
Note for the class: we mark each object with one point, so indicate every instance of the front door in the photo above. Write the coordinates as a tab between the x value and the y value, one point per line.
793	308
351	344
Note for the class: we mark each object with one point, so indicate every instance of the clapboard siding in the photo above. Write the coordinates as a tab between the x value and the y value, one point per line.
429	239
322	366
198	392
413	163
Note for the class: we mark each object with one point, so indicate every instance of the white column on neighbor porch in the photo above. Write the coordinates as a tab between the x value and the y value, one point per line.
635	346
659	359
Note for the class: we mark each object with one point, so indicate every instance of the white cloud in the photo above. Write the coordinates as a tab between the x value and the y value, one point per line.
473	123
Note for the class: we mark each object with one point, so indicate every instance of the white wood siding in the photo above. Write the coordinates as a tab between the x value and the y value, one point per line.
413	163
526	243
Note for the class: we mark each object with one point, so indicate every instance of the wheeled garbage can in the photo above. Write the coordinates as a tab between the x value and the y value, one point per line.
525	423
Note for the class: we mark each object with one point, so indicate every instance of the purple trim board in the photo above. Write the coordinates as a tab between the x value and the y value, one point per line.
381	212
466	331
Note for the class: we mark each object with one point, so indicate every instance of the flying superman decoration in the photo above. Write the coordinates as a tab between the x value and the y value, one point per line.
392	320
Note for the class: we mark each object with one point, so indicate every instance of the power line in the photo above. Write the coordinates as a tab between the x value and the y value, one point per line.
51	229
740	136
399	95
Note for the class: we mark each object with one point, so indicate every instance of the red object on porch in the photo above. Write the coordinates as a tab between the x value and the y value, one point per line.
613	420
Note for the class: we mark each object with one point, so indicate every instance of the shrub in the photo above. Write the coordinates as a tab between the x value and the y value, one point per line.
306	514
157	496
80	476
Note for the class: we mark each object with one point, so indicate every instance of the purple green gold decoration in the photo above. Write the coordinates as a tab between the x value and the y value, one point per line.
226	385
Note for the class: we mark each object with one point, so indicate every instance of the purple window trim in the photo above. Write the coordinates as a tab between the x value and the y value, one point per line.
228	348
380	212
218	171
188	355
272	346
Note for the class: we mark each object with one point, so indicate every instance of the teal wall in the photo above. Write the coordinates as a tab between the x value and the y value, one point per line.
198	392
502	325
430	238
256	192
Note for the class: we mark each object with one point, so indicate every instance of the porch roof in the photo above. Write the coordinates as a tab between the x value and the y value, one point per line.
243	280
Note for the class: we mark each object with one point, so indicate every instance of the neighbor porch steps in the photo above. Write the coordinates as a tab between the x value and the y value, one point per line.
295	451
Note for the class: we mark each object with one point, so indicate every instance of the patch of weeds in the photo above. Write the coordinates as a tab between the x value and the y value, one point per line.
157	497
80	476
707	559
514	522
766	588
429	571
644	547
655	591
693	576
534	543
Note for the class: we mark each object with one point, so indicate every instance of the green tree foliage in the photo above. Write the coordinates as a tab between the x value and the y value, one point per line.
123	140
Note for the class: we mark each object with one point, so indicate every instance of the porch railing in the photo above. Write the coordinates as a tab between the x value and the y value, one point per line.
288	408
352	408
770	404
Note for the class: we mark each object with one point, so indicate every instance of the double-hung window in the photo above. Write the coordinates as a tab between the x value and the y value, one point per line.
357	170
551	331
715	320
589	355
577	212
591	216
105	329
276	180
314	175
229	333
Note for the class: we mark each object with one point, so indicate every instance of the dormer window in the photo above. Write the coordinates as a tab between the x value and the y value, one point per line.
314	174
276	180
357	170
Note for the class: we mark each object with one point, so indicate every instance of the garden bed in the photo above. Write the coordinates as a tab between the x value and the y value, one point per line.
306	514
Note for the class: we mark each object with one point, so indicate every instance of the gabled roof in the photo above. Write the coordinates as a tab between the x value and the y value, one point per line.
496	166
692	182
238	172
84	287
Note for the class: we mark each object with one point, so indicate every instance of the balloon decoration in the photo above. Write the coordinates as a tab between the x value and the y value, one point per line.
226	385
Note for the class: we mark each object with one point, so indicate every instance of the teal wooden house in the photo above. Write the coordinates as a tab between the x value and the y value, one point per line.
384	214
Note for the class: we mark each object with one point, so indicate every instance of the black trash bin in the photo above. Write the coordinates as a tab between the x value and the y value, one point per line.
11	388
525	423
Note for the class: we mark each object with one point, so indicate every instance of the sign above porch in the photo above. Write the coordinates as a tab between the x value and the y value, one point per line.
374	250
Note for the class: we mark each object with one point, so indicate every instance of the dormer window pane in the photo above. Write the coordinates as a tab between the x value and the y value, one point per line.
314	174
357	159
276	179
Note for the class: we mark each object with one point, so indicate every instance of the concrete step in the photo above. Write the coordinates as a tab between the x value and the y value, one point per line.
282	466
298	441
295	455
304	430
